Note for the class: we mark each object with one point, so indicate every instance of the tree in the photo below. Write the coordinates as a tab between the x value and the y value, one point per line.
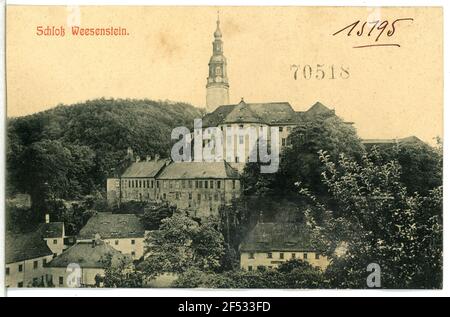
300	163
154	213
182	243
379	222
119	274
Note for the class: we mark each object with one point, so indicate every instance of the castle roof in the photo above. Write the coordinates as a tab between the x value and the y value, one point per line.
272	113
144	169
25	246
110	226
199	170
267	237
88	255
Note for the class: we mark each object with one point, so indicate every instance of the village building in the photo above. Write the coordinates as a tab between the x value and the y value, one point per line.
124	232
26	257
270	244
53	234
83	264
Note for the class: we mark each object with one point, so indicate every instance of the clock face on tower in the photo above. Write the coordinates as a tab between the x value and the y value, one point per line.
218	79
218	71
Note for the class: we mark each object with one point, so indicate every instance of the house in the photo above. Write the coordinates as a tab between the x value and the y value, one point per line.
124	232
53	233
26	257
270	244
199	187
83	264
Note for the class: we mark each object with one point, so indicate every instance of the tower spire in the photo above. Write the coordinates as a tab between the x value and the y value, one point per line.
217	82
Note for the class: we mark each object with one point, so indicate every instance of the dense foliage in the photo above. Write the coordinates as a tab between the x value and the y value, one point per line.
69	151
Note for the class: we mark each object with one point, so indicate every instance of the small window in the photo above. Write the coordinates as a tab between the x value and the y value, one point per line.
164	196
35	264
305	255
7	271
251	256
234	184
206	184
133	254
269	255
293	255
250	268
211	184
317	256
199	197
44	262
283	141
55	241
133	242
280	129
190	195
20	284
116	242
218	184
281	255
61	280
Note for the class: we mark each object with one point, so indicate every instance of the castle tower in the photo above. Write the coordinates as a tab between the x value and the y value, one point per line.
217	82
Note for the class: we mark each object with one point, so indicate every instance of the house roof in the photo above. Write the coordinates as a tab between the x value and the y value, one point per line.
193	170
383	142
88	255
52	230
271	113
109	225
25	246
144	169
267	237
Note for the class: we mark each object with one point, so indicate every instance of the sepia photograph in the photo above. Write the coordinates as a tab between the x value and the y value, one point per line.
224	147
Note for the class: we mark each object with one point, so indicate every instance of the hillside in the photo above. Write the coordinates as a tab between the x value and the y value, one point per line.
69	151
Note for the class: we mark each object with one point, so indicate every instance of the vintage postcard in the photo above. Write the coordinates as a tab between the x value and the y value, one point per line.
224	147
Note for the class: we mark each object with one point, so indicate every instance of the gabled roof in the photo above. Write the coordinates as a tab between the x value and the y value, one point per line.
144	169
267	237
25	246
52	230
271	113
200	170
110	226
88	255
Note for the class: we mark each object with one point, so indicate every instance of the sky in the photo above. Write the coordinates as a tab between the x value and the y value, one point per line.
390	91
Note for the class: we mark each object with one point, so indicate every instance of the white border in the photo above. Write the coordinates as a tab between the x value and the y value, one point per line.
239	292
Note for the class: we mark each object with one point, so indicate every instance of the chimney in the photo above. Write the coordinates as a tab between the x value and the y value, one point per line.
138	158
96	240
156	157
148	158
47	218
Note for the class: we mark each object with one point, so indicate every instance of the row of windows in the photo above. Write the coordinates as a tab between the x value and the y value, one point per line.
261	267
171	184
281	256
134	183
20	266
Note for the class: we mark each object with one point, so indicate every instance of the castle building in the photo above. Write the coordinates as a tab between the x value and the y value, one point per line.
198	187
217	81
235	122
